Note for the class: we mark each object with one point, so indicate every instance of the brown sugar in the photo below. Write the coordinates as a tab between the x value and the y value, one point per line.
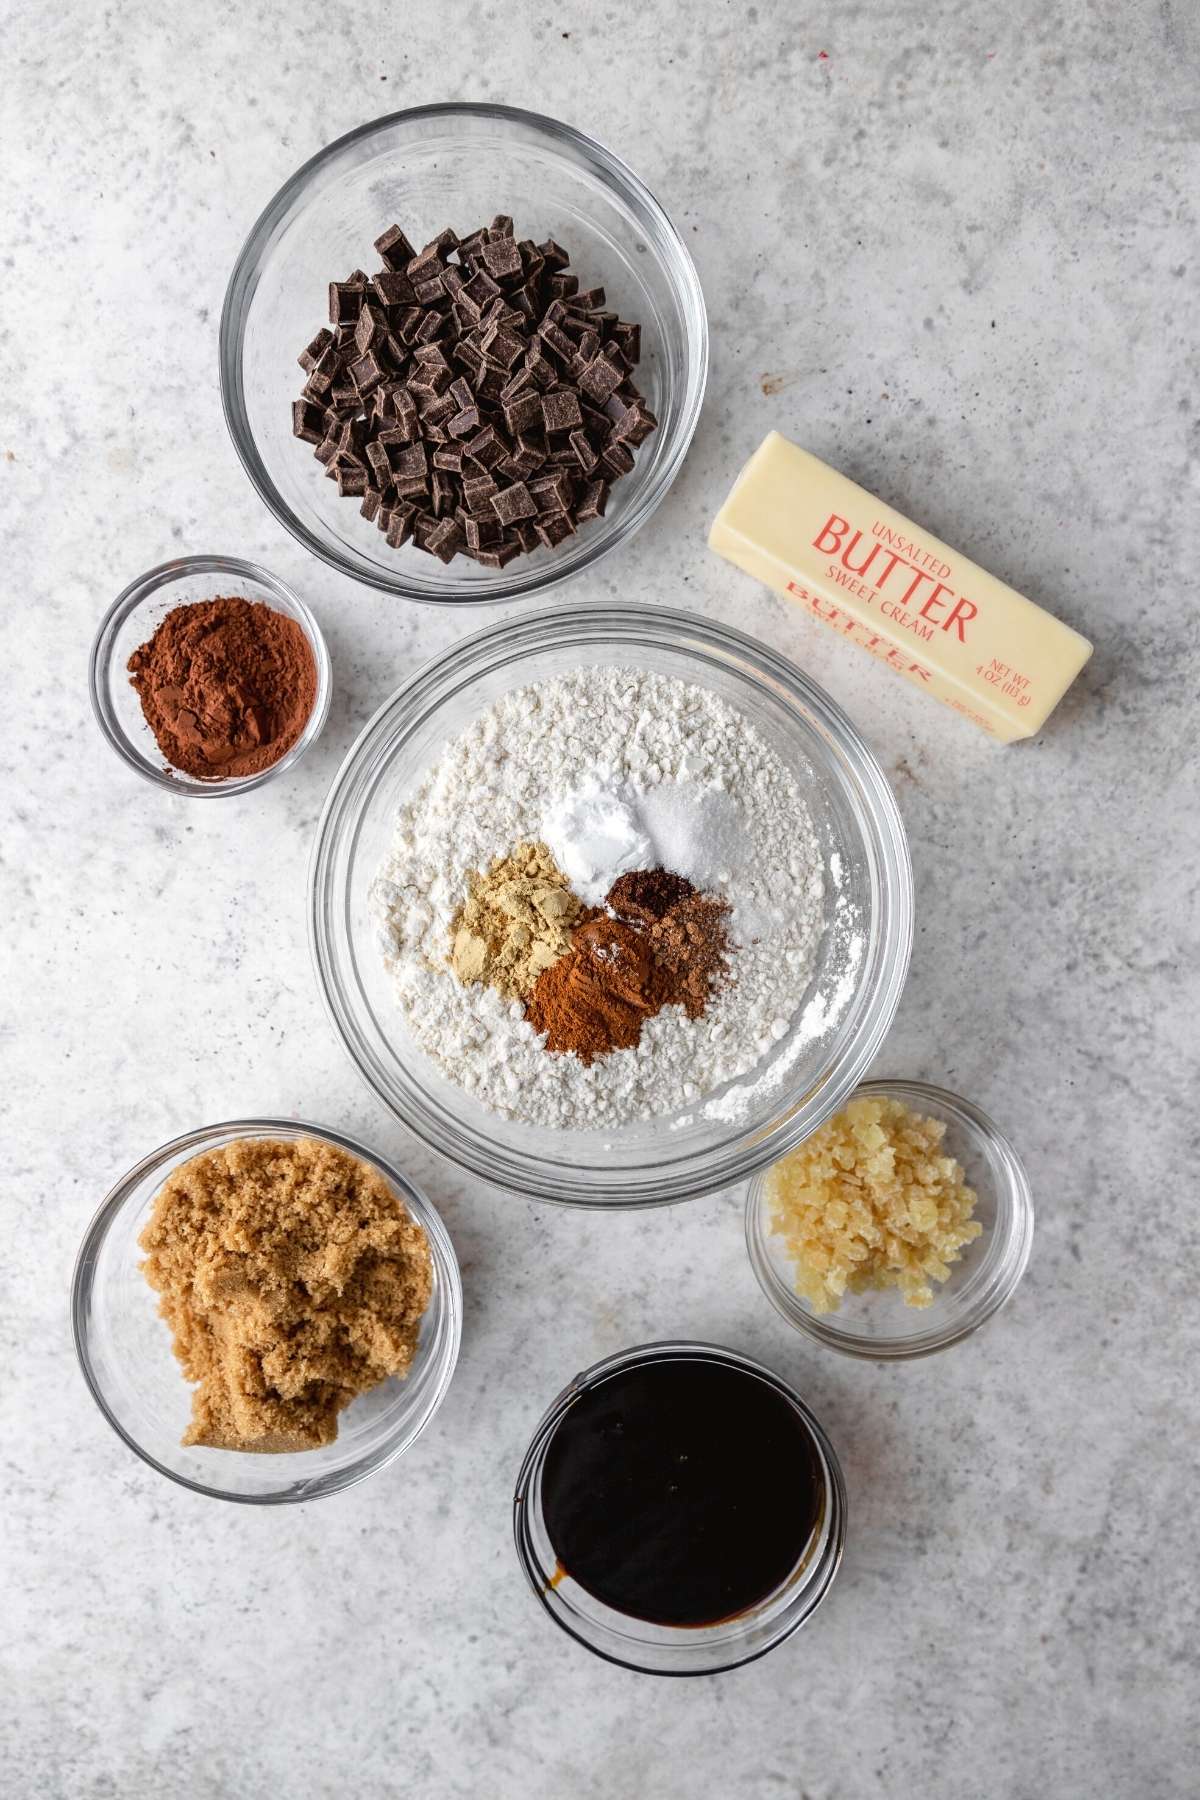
293	1280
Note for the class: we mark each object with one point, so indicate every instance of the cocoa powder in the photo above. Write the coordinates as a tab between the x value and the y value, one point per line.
226	686
662	943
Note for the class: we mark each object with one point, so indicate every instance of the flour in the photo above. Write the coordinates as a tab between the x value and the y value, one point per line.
673	752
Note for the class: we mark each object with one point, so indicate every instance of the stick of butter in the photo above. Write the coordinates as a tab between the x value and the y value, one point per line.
884	583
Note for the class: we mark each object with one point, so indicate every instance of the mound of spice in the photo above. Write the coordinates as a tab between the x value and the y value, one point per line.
293	1279
660	943
870	1200
516	922
226	686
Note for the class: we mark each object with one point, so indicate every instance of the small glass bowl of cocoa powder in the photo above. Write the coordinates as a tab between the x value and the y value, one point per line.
225	721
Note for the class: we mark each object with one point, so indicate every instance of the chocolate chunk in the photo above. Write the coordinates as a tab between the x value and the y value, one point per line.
446	540
501	226
593	503
584	452
369	327
367	372
630	339
400	525
481	534
527	456
556	343
600	379
634	423
486	447
469	355
435	409
560	411
554	529
311	355
513	503
464	423
393	288
616	459
489	385
540	369
345	303
500	257
449	460
411	319
308	420
501	555
554	256
409	472
442	493
433	325
372	501
552	493
502	347
394	248
351	480
478	292
477	493
523	411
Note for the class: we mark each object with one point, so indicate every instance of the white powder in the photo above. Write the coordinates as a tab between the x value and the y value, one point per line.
680	753
599	831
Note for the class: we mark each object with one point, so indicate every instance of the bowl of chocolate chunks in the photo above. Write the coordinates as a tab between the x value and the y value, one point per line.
463	353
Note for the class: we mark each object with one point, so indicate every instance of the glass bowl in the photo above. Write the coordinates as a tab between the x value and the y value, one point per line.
878	1324
457	164
125	1352
861	964
132	620
664	1649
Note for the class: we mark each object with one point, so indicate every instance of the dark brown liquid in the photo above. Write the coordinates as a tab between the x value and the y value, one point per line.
681	1492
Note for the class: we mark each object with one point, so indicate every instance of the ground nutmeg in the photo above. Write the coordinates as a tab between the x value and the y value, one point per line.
226	686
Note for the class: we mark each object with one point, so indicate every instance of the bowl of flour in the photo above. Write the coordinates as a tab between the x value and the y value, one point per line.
621	738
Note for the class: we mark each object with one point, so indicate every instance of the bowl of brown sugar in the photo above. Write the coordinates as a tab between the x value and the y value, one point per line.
209	676
266	1310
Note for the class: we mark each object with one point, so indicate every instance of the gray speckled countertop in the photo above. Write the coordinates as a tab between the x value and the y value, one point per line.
955	255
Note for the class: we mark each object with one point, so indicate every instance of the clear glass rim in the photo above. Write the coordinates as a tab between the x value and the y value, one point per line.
823	1568
104	647
441	1249
1004	1264
567	1181
244	280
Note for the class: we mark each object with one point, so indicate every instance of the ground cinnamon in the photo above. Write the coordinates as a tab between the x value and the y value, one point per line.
595	998
226	685
661	943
